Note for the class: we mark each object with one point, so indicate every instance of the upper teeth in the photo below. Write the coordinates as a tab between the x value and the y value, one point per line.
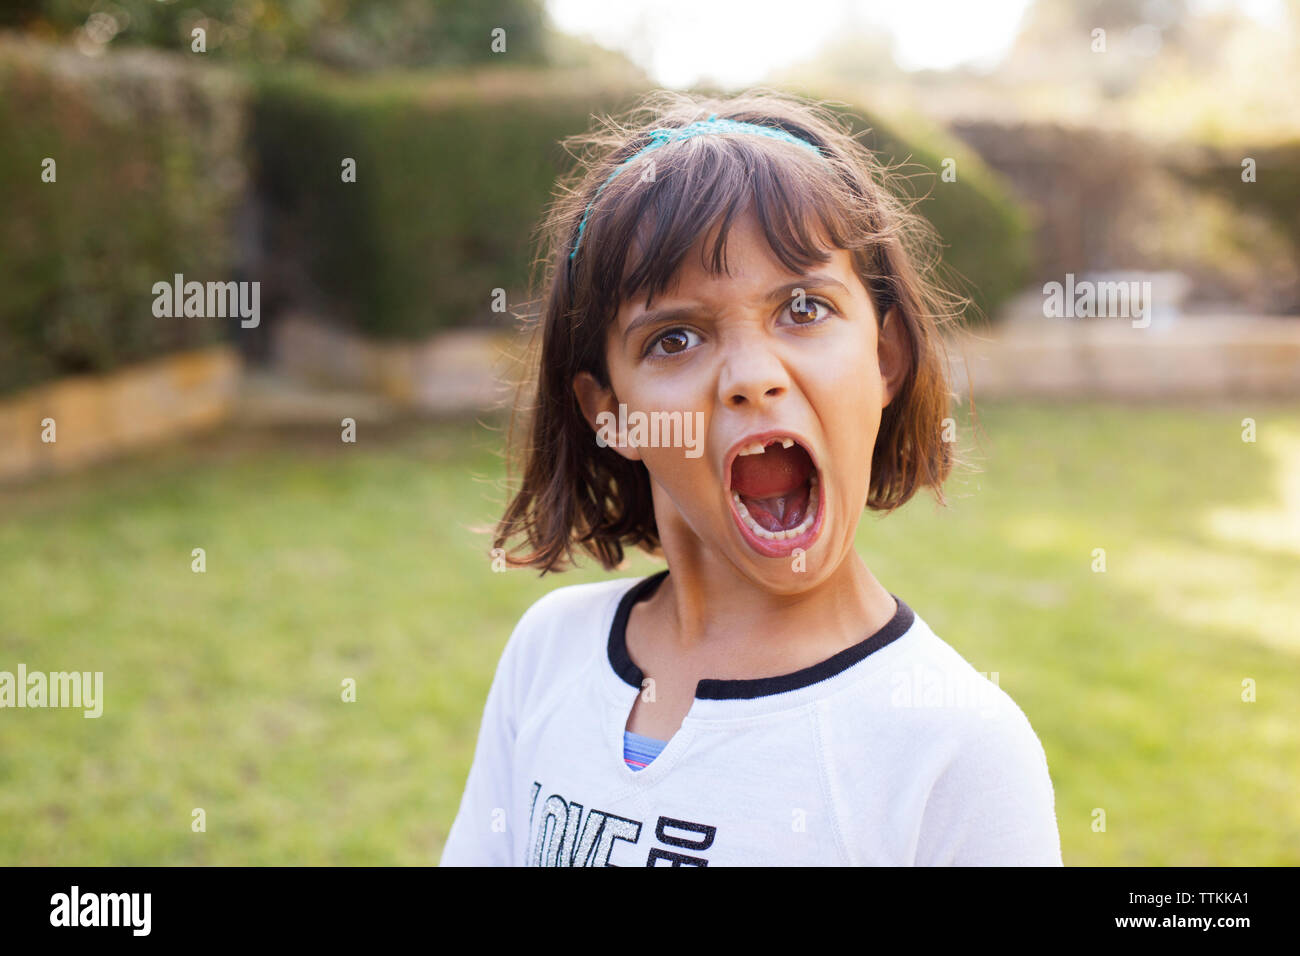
758	447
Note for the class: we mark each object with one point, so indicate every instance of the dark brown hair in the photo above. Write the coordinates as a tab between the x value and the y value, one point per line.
575	492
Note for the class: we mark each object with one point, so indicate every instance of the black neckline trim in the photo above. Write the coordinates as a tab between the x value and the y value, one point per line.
748	688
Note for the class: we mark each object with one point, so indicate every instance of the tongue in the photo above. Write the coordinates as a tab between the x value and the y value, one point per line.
778	471
774	485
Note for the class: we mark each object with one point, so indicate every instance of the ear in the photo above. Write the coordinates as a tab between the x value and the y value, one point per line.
893	354
600	408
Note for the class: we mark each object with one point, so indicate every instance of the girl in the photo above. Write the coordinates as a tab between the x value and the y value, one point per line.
738	354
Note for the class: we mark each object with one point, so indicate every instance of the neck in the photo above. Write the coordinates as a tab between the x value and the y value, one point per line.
708	607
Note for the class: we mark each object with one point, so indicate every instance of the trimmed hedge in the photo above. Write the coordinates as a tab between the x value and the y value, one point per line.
146	148
984	233
1273	194
453	174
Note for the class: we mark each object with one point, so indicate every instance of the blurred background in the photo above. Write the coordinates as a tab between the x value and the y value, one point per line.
185	507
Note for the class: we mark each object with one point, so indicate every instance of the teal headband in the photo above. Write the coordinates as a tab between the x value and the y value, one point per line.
664	135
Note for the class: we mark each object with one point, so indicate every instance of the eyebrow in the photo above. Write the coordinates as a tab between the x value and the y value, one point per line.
816	280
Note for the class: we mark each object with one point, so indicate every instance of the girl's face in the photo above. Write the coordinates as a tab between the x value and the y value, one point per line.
779	397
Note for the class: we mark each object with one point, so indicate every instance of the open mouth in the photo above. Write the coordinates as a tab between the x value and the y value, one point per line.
775	493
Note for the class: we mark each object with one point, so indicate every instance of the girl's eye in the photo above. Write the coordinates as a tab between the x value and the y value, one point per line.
810	311
672	342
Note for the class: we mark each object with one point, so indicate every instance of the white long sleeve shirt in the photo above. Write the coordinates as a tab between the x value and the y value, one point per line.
892	752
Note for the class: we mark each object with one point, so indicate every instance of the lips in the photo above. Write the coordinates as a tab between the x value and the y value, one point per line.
775	491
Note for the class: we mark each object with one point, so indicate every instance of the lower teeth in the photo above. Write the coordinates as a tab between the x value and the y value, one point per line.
794	532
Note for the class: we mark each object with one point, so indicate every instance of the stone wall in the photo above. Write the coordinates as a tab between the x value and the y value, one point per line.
91	417
1193	358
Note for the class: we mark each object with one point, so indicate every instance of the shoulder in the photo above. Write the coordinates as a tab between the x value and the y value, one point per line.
972	774
566	623
965	710
990	797
925	699
575	604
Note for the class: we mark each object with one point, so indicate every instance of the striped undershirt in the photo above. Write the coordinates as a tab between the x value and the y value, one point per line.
638	751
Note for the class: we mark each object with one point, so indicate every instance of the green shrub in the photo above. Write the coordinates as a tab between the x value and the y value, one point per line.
147	168
453	173
1273	192
451	179
983	231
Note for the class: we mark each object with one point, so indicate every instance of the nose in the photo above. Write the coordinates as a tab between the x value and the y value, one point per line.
752	374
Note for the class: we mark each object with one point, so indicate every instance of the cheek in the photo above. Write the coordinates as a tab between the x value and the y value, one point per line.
847	375
847	393
866	356
684	389
640	385
675	412
682	477
686	490
672	414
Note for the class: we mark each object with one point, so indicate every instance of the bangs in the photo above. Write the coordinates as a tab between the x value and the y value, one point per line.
650	216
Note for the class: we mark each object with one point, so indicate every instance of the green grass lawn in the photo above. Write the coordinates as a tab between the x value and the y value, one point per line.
328	561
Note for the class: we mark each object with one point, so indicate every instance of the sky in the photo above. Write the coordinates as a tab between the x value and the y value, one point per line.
736	42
